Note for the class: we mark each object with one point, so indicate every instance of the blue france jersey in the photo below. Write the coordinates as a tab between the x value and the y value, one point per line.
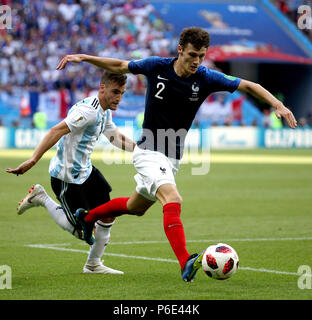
172	102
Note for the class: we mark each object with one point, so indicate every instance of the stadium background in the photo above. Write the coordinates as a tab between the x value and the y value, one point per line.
272	51
256	198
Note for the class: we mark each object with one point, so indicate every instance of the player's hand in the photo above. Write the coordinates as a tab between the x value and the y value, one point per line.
282	111
76	58
22	168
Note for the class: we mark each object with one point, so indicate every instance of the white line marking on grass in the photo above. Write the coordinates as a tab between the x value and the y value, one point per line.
275	271
43	246
66	244
213	240
51	247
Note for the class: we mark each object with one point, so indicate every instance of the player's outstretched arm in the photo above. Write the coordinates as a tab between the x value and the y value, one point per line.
109	64
259	92
50	139
119	140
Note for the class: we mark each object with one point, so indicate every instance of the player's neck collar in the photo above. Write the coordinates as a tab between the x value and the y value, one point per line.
176	69
100	108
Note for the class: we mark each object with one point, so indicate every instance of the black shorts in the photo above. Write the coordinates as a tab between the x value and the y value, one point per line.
88	195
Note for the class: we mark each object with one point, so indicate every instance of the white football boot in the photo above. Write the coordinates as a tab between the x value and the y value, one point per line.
36	197
98	267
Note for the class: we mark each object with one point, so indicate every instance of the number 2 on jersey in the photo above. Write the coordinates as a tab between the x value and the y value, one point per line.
161	87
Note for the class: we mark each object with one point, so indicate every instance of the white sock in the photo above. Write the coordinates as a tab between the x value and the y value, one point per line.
102	235
58	215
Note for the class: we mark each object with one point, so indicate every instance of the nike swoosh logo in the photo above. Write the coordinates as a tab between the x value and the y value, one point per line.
78	119
29	199
161	78
173	225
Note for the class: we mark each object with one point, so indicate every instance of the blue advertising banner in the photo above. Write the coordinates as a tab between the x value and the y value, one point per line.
285	138
239	27
218	137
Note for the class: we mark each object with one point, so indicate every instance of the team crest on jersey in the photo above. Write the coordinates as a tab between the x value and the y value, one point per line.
195	91
229	77
78	119
163	170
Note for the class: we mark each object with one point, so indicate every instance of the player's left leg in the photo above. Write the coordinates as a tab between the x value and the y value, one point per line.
94	264
171	200
96	190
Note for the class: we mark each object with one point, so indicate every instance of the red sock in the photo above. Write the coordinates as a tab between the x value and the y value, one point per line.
111	209
175	232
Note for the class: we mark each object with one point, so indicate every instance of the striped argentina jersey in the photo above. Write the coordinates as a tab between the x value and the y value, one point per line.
86	121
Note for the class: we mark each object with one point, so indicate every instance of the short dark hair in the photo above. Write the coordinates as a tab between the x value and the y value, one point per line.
109	77
198	37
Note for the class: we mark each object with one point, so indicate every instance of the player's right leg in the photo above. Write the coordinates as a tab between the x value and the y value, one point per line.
156	180
70	199
191	266
135	205
37	196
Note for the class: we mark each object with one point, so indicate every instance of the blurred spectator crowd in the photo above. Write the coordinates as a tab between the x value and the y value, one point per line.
45	31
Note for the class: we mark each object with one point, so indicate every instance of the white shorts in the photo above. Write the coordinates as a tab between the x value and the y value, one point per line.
154	169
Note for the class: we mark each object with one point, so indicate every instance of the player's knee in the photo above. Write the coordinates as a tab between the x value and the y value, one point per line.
138	205
108	220
137	212
175	198
140	213
168	193
179	199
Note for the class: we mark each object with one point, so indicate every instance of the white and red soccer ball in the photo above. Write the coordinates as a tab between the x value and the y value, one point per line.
220	261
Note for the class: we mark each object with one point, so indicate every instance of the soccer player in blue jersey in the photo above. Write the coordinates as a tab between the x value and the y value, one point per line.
75	182
176	87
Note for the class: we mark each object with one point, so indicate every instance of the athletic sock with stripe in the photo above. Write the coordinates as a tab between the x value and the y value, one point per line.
102	235
175	231
58	215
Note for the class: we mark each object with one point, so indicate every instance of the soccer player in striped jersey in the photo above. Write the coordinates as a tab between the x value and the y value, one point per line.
176	87
74	180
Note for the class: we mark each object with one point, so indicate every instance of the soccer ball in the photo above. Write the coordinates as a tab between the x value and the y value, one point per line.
220	261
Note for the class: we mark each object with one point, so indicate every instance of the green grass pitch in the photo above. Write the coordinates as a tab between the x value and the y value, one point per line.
263	210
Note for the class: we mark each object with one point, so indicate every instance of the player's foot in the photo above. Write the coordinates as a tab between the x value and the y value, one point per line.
36	197
78	234
193	263
87	228
99	268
